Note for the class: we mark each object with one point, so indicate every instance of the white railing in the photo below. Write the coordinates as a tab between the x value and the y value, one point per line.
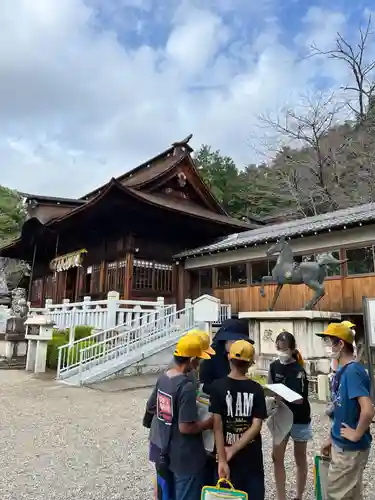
69	354
225	312
83	355
99	314
136	343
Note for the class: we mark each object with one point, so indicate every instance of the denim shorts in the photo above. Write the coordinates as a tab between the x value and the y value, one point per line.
188	487
301	433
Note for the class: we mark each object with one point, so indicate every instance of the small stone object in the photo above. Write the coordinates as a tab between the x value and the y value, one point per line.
18	303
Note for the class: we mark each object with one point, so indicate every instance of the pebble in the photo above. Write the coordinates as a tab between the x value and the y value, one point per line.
60	442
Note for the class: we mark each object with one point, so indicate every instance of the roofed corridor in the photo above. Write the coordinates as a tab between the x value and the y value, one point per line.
64	443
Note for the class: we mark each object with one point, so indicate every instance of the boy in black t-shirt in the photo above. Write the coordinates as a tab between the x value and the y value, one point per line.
239	408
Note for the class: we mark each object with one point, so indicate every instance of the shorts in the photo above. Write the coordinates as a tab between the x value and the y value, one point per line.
188	487
301	433
345	474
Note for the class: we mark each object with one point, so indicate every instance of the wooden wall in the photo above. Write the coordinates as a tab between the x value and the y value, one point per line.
342	295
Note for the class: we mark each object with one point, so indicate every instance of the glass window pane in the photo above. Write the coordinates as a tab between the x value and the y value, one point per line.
258	270
334	270
223	276
360	260
238	274
205	276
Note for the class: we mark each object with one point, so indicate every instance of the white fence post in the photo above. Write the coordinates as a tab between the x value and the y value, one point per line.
112	305
85	309
65	313
189	313
160	312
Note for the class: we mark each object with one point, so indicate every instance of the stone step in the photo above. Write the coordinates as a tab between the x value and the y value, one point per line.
18	363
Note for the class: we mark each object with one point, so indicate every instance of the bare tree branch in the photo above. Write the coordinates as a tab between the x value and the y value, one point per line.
356	57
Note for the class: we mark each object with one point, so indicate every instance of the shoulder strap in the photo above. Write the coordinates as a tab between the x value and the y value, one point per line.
339	374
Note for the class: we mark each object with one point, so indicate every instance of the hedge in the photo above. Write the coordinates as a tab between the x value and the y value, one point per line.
61	337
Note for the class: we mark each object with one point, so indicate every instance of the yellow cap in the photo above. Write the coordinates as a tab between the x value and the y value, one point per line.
339	331
190	346
205	340
242	350
349	324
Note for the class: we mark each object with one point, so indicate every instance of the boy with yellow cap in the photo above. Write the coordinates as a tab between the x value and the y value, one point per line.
352	413
239	408
176	444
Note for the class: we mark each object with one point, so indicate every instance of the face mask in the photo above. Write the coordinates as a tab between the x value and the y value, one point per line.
331	353
284	357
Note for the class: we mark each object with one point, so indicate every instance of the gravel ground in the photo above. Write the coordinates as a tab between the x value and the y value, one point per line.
65	443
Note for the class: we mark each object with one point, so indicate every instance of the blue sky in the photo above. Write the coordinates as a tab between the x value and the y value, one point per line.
89	89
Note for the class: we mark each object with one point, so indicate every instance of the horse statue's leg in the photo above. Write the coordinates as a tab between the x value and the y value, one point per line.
265	280
319	293
275	297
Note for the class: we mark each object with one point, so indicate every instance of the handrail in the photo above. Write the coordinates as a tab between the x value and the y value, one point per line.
68	353
126	342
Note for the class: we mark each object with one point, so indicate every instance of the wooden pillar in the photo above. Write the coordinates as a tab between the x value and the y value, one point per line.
128	281
32	273
182	285
129	245
102	276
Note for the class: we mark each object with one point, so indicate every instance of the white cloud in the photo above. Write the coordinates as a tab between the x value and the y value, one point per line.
83	97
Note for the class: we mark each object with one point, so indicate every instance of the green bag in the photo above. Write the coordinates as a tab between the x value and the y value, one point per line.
219	493
321	466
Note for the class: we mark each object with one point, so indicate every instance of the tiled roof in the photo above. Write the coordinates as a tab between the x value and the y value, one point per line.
53	199
290	229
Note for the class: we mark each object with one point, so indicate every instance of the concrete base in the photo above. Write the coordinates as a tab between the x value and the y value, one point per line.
36	356
9	349
265	326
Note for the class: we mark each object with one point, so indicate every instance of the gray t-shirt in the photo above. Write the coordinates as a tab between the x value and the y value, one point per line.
174	399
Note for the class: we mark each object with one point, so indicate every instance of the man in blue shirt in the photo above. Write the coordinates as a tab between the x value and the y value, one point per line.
353	411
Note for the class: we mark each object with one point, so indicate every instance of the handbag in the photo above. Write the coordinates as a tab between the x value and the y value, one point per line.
219	493
321	466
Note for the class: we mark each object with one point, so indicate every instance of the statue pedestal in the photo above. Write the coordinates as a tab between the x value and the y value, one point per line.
265	326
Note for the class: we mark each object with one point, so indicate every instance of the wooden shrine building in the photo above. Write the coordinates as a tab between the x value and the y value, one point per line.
123	235
232	269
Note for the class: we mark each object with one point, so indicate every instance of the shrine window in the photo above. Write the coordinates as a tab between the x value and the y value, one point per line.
334	269
360	260
260	269
50	286
95	278
235	275
153	276
36	296
115	279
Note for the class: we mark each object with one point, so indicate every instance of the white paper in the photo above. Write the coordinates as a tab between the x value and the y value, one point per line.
208	436
280	421
284	392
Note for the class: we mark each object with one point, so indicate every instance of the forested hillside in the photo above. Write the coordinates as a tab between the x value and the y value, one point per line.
325	150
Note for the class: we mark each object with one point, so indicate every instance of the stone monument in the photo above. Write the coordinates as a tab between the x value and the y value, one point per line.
265	326
15	327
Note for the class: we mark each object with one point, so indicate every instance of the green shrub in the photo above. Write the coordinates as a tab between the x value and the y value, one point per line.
57	340
74	352
71	356
82	331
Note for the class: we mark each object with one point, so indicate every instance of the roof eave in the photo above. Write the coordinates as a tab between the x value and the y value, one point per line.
203	251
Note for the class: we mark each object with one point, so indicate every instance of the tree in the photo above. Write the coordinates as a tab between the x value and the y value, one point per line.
358	58
242	192
309	167
12	214
221	175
